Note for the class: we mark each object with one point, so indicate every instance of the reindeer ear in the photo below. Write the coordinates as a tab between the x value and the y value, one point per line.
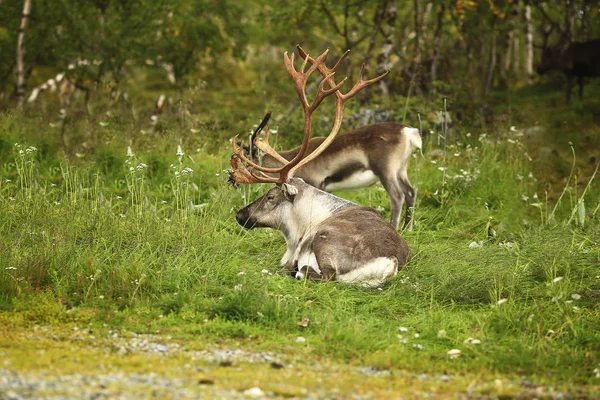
289	191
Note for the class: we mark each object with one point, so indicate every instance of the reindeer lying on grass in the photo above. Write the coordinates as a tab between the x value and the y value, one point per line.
327	238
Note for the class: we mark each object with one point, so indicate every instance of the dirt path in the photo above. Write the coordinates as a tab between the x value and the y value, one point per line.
44	362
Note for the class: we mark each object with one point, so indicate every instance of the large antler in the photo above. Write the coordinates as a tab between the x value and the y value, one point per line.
258	174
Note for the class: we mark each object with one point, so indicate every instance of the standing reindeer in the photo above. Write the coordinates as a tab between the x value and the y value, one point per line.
578	60
327	238
358	159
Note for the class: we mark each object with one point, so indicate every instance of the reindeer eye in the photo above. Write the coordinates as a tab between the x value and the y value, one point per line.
270	197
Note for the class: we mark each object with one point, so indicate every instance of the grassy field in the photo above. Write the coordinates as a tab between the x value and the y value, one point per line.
106	225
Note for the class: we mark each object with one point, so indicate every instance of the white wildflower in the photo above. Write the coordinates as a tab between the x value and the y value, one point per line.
238	288
179	151
403	329
501	301
418	346
576	296
557	279
130	152
300	339
241	273
474	244
454	353
524	197
441	333
417	335
470	340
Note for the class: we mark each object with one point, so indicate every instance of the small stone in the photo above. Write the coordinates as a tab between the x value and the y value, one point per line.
162	348
254	393
276	365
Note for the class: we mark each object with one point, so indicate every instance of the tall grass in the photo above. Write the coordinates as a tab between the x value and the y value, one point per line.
147	232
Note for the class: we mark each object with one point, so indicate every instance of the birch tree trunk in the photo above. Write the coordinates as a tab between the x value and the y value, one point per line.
508	45
377	18
528	41
417	56
21	79
569	19
383	59
516	71
437	40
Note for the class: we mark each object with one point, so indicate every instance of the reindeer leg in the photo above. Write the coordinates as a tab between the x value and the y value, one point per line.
391	184
580	79
570	83
410	195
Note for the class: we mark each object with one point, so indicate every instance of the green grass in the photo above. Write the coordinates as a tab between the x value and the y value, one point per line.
142	243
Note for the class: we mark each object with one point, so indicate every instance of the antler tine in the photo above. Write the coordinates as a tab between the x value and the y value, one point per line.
266	147
361	83
240	174
322	93
337	65
239	151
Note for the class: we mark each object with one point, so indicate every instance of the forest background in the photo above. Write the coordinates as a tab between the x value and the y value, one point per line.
116	218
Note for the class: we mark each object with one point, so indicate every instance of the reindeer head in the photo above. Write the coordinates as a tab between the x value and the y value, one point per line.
271	208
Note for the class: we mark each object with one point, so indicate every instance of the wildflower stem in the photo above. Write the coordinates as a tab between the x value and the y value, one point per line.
580	200
551	216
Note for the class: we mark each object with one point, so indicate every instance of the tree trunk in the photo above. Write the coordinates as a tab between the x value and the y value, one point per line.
377	17
508	45
21	78
516	56
353	36
437	40
569	19
416	66
417	57
383	59
528	42
492	64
